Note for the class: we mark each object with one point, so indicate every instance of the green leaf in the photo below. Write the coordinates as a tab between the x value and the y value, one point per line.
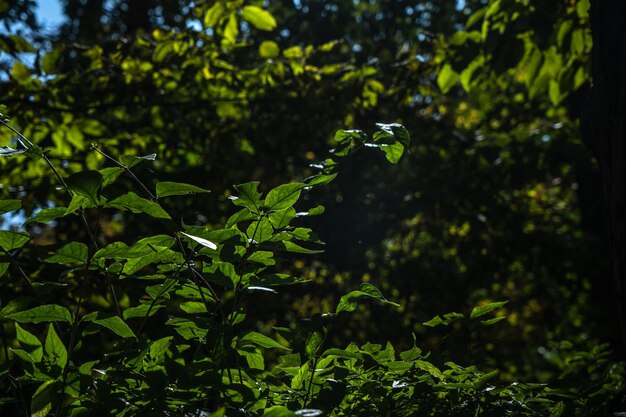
166	188
41	403
260	231
482	310
347	135
314	342
283	196
428	367
213	15
5	263
131	201
320	179
142	310
492	321
109	175
54	348
29	342
49	214
130	161
193	307
87	184
73	253
9	205
397	131
41	314
248	197
393	152
261	340
350	301
20	72
295	248
269	49
231	30
262	257
13	240
278	411
559	408
281	218
116	325
446	319
447	78
259	18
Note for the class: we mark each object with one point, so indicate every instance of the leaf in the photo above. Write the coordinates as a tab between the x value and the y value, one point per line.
13	240
295	248
116	325
558	409
492	321
231	30
29	342
393	152
54	348
73	253
482	310
397	131
261	340
349	301
166	188
49	214
86	184
428	367
283	196
109	175
131	201
278	411
260	231
203	242
447	78
249	196
213	15
20	72
269	49
346	135
41	403
41	314
446	319
130	161
193	307
259	18
281	218
142	310
9	205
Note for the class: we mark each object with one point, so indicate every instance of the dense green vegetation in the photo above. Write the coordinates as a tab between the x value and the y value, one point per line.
426	220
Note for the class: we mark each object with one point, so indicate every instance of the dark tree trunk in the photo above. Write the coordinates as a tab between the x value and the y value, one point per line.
606	134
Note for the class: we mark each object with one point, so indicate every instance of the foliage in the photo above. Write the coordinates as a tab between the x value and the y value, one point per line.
495	199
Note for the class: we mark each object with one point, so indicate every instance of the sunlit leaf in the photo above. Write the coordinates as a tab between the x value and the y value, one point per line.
204	242
131	201
54	348
73	253
482	310
166	188
13	240
259	18
41	314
